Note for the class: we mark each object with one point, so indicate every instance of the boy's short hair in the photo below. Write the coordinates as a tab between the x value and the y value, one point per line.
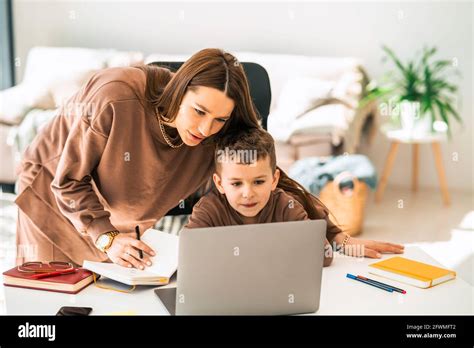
246	147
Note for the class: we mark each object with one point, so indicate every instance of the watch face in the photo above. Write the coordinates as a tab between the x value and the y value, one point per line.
103	241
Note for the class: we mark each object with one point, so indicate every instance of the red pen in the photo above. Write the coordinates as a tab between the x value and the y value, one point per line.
51	274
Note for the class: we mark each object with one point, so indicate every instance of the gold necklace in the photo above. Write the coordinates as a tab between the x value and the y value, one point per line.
165	136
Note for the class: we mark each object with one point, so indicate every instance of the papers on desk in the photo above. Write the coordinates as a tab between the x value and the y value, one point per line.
165	263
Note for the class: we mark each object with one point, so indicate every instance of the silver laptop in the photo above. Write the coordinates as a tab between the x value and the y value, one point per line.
262	269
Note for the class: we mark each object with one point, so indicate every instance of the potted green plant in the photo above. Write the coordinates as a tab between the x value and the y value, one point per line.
417	93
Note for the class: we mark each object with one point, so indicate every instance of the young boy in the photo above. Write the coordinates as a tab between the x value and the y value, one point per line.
250	189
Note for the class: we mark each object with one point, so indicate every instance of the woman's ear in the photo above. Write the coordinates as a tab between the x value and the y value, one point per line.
218	182
276	178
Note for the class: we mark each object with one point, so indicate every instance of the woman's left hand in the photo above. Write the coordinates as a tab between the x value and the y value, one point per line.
371	248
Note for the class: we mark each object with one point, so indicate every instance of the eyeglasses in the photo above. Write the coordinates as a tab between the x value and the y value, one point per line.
45	267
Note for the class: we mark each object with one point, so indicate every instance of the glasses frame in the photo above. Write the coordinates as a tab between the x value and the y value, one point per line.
27	267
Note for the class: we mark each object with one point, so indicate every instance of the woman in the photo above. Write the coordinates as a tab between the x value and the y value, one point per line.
122	152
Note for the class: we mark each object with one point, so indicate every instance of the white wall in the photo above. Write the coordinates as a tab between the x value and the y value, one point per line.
322	28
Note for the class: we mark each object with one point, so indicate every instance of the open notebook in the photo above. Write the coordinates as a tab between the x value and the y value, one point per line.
165	263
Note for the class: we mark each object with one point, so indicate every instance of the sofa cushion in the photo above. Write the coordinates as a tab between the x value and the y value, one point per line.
53	74
15	102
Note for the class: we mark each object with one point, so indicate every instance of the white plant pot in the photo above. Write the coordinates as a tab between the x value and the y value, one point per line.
412	121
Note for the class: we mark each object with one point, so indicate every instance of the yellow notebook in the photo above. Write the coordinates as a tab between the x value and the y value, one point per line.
411	272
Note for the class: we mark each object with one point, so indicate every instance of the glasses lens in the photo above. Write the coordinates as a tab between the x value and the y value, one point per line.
32	264
60	265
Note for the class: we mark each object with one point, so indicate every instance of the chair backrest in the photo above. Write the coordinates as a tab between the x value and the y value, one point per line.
259	84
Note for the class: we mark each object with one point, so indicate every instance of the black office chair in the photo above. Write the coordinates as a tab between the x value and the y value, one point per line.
260	92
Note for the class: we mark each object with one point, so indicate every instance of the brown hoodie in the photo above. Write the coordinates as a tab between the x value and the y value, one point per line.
102	164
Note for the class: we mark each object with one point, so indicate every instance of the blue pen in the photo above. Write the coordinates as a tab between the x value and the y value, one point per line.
351	276
382	284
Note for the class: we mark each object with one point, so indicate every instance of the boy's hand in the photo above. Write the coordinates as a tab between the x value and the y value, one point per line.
371	248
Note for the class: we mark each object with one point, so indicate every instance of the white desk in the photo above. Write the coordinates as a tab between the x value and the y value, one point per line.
339	295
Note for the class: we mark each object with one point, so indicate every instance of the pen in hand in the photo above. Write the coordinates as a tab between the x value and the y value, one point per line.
137	231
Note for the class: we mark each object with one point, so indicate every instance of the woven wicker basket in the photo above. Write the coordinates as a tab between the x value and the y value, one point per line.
347	209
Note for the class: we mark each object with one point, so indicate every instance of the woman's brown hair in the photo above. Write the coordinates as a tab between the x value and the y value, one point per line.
210	67
262	143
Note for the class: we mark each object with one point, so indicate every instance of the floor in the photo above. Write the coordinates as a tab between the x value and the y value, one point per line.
446	233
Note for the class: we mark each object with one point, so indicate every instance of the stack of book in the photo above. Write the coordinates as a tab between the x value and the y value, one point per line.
70	283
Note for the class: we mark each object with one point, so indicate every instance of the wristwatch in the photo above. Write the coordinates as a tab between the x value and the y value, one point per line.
105	240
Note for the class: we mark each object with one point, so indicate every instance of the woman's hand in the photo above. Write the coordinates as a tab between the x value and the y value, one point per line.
370	248
124	251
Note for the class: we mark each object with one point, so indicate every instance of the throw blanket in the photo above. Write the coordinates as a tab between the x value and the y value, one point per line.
31	125
315	172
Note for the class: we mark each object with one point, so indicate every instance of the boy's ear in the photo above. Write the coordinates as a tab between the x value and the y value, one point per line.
276	178
218	182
